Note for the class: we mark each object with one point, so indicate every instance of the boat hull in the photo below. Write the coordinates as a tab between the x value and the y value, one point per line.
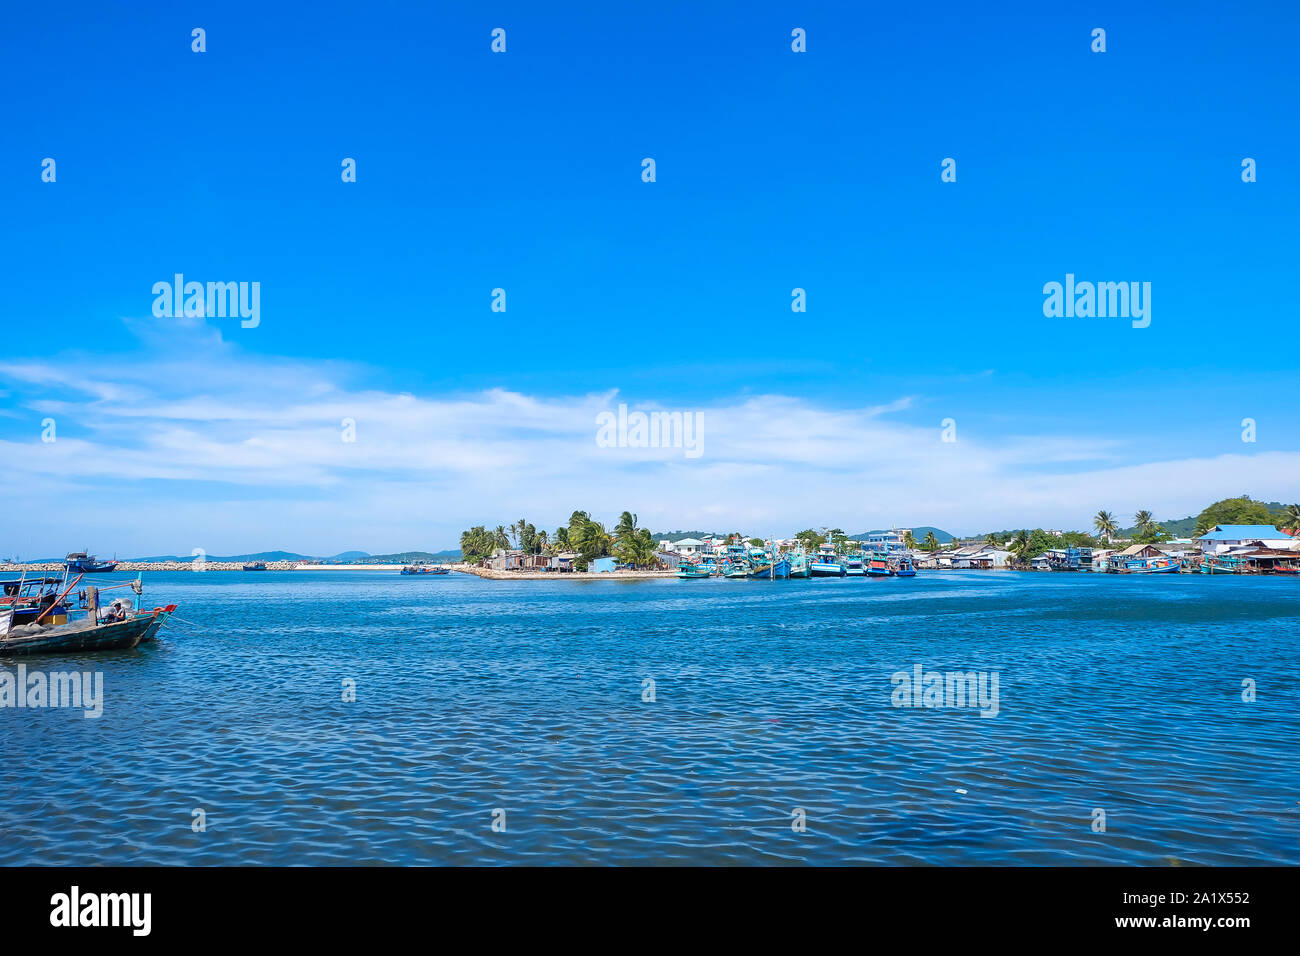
75	638
820	569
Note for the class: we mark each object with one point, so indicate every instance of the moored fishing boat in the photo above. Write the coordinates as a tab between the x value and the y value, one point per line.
903	567
119	625
425	569
798	564
32	598
255	566
84	635
855	565
1221	564
877	565
79	562
826	563
687	571
1145	566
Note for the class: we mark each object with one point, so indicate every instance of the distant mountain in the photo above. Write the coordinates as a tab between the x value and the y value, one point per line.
407	557
679	535
1186	527
919	533
348	556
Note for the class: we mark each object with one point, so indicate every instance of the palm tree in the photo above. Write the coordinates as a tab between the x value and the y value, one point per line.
1291	518
909	542
502	541
1143	520
931	542
1104	522
626	525
1021	545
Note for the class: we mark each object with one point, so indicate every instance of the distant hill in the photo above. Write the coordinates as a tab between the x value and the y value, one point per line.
407	557
919	533
679	535
344	556
1186	527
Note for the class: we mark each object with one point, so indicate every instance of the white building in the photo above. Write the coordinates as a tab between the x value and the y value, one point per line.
1222	537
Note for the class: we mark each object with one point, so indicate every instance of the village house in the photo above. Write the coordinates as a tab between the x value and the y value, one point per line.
1222	537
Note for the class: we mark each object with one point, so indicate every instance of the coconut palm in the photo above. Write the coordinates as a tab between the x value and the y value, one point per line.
1291	518
1104	522
502	541
1143	520
626	526
931	542
1021	546
909	542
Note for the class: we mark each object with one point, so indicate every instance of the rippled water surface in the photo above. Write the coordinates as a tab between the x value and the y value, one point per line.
1122	694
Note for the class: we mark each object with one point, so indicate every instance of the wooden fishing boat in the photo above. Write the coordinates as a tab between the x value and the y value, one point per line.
826	563
33	598
877	566
904	568
855	566
798	564
255	566
1215	564
424	569
84	635
692	572
79	562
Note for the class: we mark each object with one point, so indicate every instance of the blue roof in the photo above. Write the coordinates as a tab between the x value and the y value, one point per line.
1240	532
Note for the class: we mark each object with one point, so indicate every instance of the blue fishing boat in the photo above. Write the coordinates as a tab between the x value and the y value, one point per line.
1221	564
854	565
691	572
903	568
798	564
826	563
877	565
768	565
79	562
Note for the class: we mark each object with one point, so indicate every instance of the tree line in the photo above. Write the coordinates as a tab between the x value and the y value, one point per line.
586	537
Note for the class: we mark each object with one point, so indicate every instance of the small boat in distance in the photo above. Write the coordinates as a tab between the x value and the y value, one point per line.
904	569
425	569
79	562
255	566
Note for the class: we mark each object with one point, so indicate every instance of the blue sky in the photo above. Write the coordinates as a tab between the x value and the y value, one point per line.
522	171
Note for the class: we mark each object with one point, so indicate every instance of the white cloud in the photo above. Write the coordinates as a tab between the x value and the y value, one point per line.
208	447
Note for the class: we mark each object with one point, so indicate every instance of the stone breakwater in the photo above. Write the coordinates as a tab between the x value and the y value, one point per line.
561	575
131	567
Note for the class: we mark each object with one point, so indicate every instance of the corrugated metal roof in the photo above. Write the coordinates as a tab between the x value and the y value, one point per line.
1240	532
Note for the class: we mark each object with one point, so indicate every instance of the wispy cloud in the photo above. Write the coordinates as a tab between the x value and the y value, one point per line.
206	446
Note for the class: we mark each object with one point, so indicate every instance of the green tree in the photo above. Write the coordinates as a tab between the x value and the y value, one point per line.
756	542
626	526
591	542
810	539
909	541
561	539
1104	522
476	544
1143	520
502	541
931	542
1291	518
1242	510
